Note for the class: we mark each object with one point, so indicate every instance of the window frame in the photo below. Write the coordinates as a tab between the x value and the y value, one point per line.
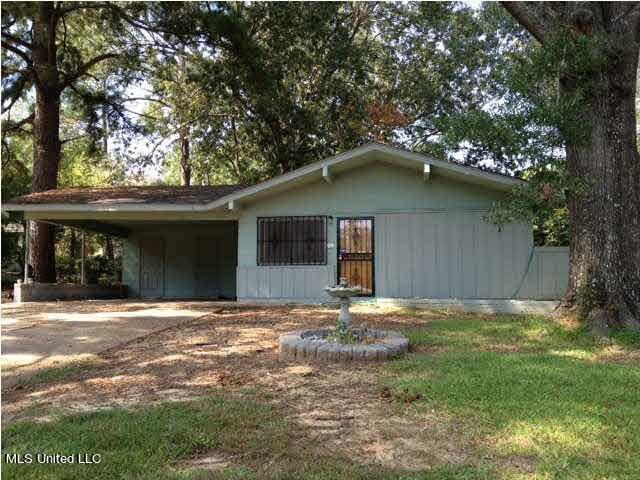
259	242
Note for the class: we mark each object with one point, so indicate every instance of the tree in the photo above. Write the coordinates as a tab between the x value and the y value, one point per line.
54	49
593	49
290	82
433	64
178	107
40	53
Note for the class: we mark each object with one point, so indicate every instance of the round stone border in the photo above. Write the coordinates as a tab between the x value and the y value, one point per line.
304	345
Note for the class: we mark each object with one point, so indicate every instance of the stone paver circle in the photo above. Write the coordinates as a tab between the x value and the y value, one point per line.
312	345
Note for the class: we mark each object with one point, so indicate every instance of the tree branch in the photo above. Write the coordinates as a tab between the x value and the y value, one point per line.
17	41
73	6
17	51
536	17
146	99
83	69
72	139
9	125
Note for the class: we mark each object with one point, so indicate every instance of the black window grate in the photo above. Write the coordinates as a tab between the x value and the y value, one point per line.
300	240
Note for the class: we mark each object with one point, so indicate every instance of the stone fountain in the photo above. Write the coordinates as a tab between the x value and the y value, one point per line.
343	292
344	343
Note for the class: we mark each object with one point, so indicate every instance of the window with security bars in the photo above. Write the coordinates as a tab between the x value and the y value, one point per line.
292	240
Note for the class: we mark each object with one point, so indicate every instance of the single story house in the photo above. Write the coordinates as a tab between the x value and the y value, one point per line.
400	224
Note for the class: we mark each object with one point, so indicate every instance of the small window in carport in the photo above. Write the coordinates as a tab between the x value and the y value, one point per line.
299	240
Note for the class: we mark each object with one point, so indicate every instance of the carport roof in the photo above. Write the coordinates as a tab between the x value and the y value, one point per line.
193	195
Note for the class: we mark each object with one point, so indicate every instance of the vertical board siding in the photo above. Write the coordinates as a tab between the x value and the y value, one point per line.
199	261
284	282
459	255
131	266
432	255
548	274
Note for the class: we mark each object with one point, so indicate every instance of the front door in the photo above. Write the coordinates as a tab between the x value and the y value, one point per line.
151	267
355	253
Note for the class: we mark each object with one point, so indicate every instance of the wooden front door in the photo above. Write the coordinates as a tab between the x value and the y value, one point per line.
356	253
151	267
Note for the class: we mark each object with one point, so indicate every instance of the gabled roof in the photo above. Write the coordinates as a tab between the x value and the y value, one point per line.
133	199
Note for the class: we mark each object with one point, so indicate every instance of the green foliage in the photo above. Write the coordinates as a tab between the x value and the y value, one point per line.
542	200
343	334
103	262
434	64
99	269
289	84
16	181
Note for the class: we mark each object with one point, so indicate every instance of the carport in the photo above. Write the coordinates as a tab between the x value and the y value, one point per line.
172	247
176	259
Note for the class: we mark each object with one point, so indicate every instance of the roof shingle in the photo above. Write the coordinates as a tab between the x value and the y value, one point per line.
193	195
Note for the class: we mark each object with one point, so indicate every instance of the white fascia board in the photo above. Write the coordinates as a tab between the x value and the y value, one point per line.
454	167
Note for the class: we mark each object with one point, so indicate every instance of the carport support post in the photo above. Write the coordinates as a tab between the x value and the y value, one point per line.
27	241
83	279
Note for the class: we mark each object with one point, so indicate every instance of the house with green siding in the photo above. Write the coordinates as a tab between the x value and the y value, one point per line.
403	226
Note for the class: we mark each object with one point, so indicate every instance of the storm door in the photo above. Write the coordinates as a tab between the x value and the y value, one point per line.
356	253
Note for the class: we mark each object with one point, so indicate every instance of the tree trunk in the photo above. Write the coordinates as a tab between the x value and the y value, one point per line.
108	247
185	159
73	243
604	273
46	135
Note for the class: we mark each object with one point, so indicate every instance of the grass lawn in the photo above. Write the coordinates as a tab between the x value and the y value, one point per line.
517	397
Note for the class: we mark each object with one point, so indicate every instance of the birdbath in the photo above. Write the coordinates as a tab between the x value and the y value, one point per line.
343	292
343	343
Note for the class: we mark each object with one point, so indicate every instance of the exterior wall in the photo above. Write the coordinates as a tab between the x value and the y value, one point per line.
449	255
548	274
199	259
430	241
285	282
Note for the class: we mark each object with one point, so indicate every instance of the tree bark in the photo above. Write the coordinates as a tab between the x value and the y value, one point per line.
108	247
185	158
604	270
73	243
46	135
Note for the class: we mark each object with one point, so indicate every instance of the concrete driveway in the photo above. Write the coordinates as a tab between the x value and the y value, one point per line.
40	334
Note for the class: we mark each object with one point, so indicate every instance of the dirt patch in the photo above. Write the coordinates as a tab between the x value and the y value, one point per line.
236	351
211	461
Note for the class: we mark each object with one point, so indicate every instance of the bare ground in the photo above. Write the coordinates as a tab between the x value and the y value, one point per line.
234	351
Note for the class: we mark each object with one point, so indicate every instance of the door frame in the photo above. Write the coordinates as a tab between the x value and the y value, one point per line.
373	251
140	265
